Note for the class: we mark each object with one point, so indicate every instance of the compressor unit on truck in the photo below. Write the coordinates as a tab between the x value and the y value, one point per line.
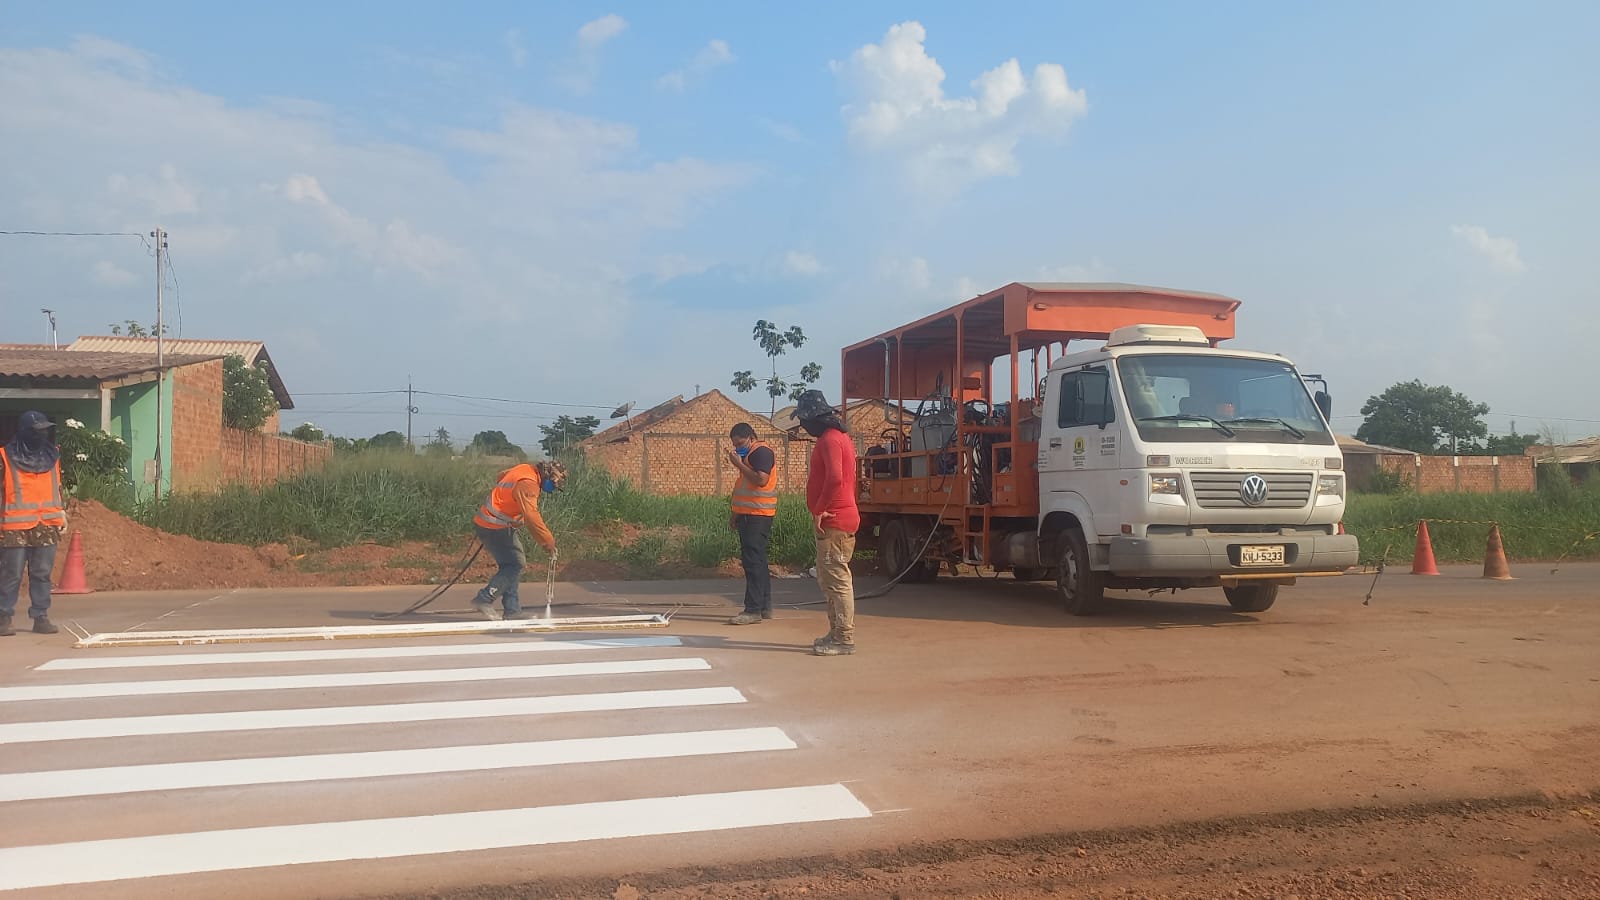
1153	458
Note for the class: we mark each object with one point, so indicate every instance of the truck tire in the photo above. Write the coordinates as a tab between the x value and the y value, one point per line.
895	548
1081	588
1251	597
1028	573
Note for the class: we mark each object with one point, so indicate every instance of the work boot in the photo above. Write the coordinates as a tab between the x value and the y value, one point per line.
766	614
745	618
833	648
487	609
43	625
520	615
825	639
5	627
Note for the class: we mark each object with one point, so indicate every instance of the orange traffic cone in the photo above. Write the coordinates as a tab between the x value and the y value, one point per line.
1422	561
72	580
1494	558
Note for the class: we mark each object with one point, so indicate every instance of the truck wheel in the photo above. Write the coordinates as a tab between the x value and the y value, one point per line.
1082	589
1028	573
895	549
1251	597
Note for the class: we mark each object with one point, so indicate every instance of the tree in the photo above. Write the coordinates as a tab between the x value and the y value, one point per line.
565	432
137	330
439	444
308	432
1512	444
776	343
247	400
1424	419
494	443
389	440
346	445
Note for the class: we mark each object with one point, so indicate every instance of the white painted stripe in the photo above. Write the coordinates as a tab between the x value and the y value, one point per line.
337	632
377	764
203	658
348	679
87	862
317	717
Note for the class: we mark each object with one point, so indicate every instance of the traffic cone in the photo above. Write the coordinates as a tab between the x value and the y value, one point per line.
1494	558
72	580
1422	561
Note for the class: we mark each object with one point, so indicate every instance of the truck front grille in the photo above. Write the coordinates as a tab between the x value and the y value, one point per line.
1221	490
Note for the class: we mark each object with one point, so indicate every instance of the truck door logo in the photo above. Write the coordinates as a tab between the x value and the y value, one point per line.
1253	490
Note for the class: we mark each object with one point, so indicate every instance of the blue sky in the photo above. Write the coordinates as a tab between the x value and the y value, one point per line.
592	204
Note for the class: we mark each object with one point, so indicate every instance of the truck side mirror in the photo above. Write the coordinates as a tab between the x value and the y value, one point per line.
1324	403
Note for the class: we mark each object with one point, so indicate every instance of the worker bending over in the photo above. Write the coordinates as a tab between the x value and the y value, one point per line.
514	501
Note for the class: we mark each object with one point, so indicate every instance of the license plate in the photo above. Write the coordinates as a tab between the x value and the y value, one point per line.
1259	555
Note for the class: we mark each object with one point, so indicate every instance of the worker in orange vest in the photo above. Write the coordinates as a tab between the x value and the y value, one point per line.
755	504
514	501
32	518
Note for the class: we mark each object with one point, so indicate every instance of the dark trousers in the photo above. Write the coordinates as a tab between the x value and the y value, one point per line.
506	549
755	532
39	562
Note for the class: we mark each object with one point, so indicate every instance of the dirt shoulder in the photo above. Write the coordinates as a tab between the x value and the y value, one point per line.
1517	847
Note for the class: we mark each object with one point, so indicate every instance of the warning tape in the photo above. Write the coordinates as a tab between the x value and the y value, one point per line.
1575	545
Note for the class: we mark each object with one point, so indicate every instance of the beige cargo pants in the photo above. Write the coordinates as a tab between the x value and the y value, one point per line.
834	550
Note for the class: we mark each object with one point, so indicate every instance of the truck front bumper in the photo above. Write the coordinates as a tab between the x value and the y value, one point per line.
1185	556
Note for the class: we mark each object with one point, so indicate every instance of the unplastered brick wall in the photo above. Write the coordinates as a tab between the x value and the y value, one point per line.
197	426
1465	474
250	457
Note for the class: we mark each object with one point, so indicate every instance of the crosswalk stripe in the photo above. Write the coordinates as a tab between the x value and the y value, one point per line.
202	658
351	679
376	764
251	720
114	859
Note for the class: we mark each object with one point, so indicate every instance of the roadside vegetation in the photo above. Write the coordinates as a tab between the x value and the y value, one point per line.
1547	524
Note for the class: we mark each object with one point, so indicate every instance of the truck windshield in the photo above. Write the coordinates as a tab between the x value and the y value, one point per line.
1209	399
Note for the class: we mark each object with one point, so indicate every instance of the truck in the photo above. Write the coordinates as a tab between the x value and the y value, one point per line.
1151	459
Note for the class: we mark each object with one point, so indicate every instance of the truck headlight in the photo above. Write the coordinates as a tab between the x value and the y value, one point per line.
1166	484
1330	486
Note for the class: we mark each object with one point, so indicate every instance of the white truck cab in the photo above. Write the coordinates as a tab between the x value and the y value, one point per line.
1182	464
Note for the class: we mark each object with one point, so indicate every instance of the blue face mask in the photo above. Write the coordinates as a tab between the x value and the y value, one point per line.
549	486
742	451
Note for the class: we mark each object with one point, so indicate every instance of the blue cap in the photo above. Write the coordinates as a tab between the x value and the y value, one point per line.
35	420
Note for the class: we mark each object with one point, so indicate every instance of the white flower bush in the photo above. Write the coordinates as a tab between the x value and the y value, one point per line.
91	455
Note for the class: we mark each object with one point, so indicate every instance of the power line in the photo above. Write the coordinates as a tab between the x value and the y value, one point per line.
177	293
77	233
527	402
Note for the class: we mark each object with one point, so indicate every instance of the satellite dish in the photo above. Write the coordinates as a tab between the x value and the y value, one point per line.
622	410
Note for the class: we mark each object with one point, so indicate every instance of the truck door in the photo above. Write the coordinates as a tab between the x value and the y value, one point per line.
1083	447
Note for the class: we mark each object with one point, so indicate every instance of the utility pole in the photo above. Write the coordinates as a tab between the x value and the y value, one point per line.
410	408
51	314
161	371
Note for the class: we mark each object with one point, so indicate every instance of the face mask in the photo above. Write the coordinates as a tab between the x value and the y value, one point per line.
813	427
549	486
742	451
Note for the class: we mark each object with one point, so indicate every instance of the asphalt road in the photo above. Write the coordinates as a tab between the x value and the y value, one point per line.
973	710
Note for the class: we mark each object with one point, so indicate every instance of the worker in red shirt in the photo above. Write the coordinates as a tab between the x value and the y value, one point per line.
831	498
514	502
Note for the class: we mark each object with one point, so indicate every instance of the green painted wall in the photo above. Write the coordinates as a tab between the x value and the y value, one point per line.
133	418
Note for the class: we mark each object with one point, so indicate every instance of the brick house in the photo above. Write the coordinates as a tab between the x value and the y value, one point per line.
679	447
253	352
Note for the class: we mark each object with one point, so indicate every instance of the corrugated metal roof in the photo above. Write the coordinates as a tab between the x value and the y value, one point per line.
1113	287
85	366
252	351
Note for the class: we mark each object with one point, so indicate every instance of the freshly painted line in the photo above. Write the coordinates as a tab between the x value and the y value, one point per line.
202	658
87	862
377	764
336	632
349	679
317	717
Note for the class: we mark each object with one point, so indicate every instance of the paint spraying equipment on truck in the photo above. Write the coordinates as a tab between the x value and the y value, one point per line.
1149	458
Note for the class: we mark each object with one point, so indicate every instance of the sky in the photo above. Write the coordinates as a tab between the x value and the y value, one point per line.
573	206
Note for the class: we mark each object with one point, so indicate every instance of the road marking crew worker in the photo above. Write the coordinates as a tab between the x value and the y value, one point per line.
831	498
32	518
754	505
514	501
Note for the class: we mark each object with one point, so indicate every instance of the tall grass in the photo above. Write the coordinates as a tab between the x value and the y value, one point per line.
1541	525
393	497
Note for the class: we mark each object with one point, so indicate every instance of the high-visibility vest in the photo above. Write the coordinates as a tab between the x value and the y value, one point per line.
502	510
757	499
31	498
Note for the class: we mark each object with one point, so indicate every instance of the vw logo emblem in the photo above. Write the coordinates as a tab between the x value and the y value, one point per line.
1253	490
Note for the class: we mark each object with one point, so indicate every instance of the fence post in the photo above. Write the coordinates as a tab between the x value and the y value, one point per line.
1497	474
716	459
644	463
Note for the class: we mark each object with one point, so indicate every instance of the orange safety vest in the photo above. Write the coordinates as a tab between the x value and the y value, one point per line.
502	510
30	498
757	499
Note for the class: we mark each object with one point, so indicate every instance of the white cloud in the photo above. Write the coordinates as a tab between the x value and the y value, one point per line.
1094	271
516	47
110	274
583	71
440	258
1501	252
965	288
898	108
783	131
910	273
797	262
712	55
593	34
